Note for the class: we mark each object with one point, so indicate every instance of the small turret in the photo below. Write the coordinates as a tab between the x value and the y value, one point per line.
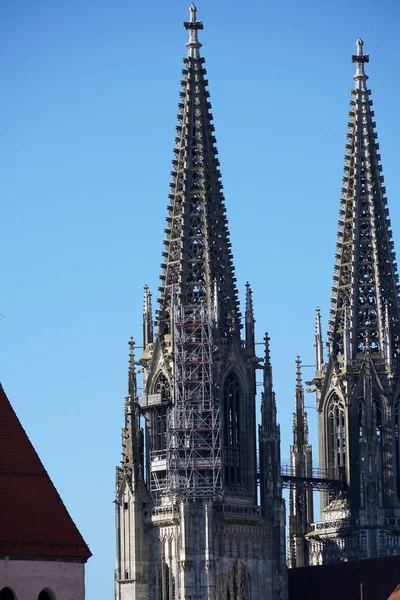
147	318
250	322
319	352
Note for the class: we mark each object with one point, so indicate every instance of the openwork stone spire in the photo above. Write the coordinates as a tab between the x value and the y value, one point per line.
365	279
359	386
198	259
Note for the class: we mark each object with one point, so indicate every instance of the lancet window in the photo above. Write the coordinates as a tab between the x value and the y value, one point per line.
337	435
397	444
232	401
7	594
376	417
161	387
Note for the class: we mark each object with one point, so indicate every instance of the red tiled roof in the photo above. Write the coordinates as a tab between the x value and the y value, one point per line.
33	518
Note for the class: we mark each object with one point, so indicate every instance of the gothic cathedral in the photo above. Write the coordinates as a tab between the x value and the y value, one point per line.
189	524
199	508
358	386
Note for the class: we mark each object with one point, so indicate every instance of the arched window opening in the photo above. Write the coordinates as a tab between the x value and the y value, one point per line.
397	445
46	594
361	417
376	418
7	594
163	388
232	397
165	584
237	582
337	436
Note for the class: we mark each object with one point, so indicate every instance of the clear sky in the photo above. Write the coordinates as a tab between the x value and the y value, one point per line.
87	117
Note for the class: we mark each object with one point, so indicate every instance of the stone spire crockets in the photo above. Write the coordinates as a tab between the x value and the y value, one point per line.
197	259
365	279
358	386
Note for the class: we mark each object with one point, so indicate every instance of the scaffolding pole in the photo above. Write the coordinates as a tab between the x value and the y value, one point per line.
193	426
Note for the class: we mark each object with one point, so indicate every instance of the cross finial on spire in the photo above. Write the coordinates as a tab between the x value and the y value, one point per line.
193	26
360	77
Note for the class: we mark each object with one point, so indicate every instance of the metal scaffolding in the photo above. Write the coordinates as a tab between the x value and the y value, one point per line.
193	425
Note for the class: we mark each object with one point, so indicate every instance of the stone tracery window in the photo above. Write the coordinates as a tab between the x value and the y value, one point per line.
231	402
376	417
337	435
163	388
397	444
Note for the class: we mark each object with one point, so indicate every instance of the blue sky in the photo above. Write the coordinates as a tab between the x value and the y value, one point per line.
87	117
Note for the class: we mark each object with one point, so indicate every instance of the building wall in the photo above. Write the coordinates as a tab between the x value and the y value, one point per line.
27	578
372	579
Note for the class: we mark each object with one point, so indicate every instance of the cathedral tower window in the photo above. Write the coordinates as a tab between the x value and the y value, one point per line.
337	435
161	387
232	402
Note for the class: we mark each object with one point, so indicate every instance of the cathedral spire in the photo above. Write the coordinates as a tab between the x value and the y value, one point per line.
365	273
356	390
197	258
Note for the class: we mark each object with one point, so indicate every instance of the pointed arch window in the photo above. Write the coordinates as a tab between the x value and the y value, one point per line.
7	594
337	436
163	388
376	417
397	445
232	401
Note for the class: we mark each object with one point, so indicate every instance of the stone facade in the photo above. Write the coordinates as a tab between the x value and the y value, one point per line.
28	578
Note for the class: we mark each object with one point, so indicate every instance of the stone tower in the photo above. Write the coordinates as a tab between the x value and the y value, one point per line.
358	387
188	521
301	495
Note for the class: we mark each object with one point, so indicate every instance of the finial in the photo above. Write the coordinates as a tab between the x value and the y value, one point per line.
131	369
298	372
249	303
319	352
193	13
360	77
267	351
193	26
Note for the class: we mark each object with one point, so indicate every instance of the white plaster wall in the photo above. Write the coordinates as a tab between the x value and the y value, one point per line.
27	578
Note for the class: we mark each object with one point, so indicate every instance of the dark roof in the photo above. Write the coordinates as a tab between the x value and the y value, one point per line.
378	578
33	519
